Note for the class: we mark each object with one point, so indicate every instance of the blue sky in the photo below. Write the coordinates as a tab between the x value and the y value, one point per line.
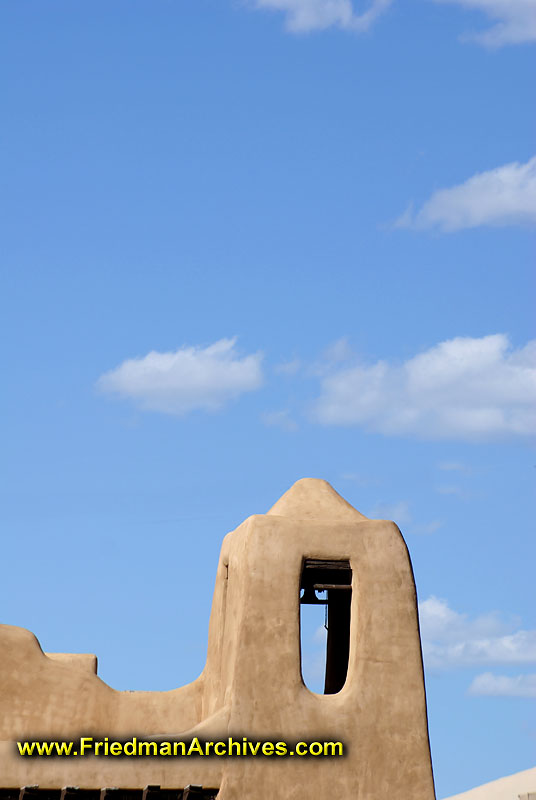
248	242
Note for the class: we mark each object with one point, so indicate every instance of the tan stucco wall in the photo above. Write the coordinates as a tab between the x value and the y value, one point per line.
252	683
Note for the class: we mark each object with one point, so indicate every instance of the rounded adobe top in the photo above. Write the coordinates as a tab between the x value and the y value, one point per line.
315	499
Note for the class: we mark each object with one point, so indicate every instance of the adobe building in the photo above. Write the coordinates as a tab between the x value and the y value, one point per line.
521	786
311	544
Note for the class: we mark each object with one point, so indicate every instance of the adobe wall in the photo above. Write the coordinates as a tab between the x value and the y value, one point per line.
252	683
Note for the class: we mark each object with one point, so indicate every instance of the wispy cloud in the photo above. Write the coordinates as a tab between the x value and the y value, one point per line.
451	639
288	367
450	490
189	378
428	527
321	634
279	419
401	514
359	479
335	354
502	196
464	388
504	686
515	21
338	351
313	651
303	16
452	466
398	512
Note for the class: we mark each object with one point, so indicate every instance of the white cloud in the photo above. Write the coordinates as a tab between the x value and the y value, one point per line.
398	512
428	527
358	478
515	20
450	639
401	514
187	379
340	350
335	354
502	196
503	686
288	367
313	651
302	16
462	388
320	635
452	466
279	419
314	670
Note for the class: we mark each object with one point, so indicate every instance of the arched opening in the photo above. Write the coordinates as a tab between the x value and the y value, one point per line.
327	585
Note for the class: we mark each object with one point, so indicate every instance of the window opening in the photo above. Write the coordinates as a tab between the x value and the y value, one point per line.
329	584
